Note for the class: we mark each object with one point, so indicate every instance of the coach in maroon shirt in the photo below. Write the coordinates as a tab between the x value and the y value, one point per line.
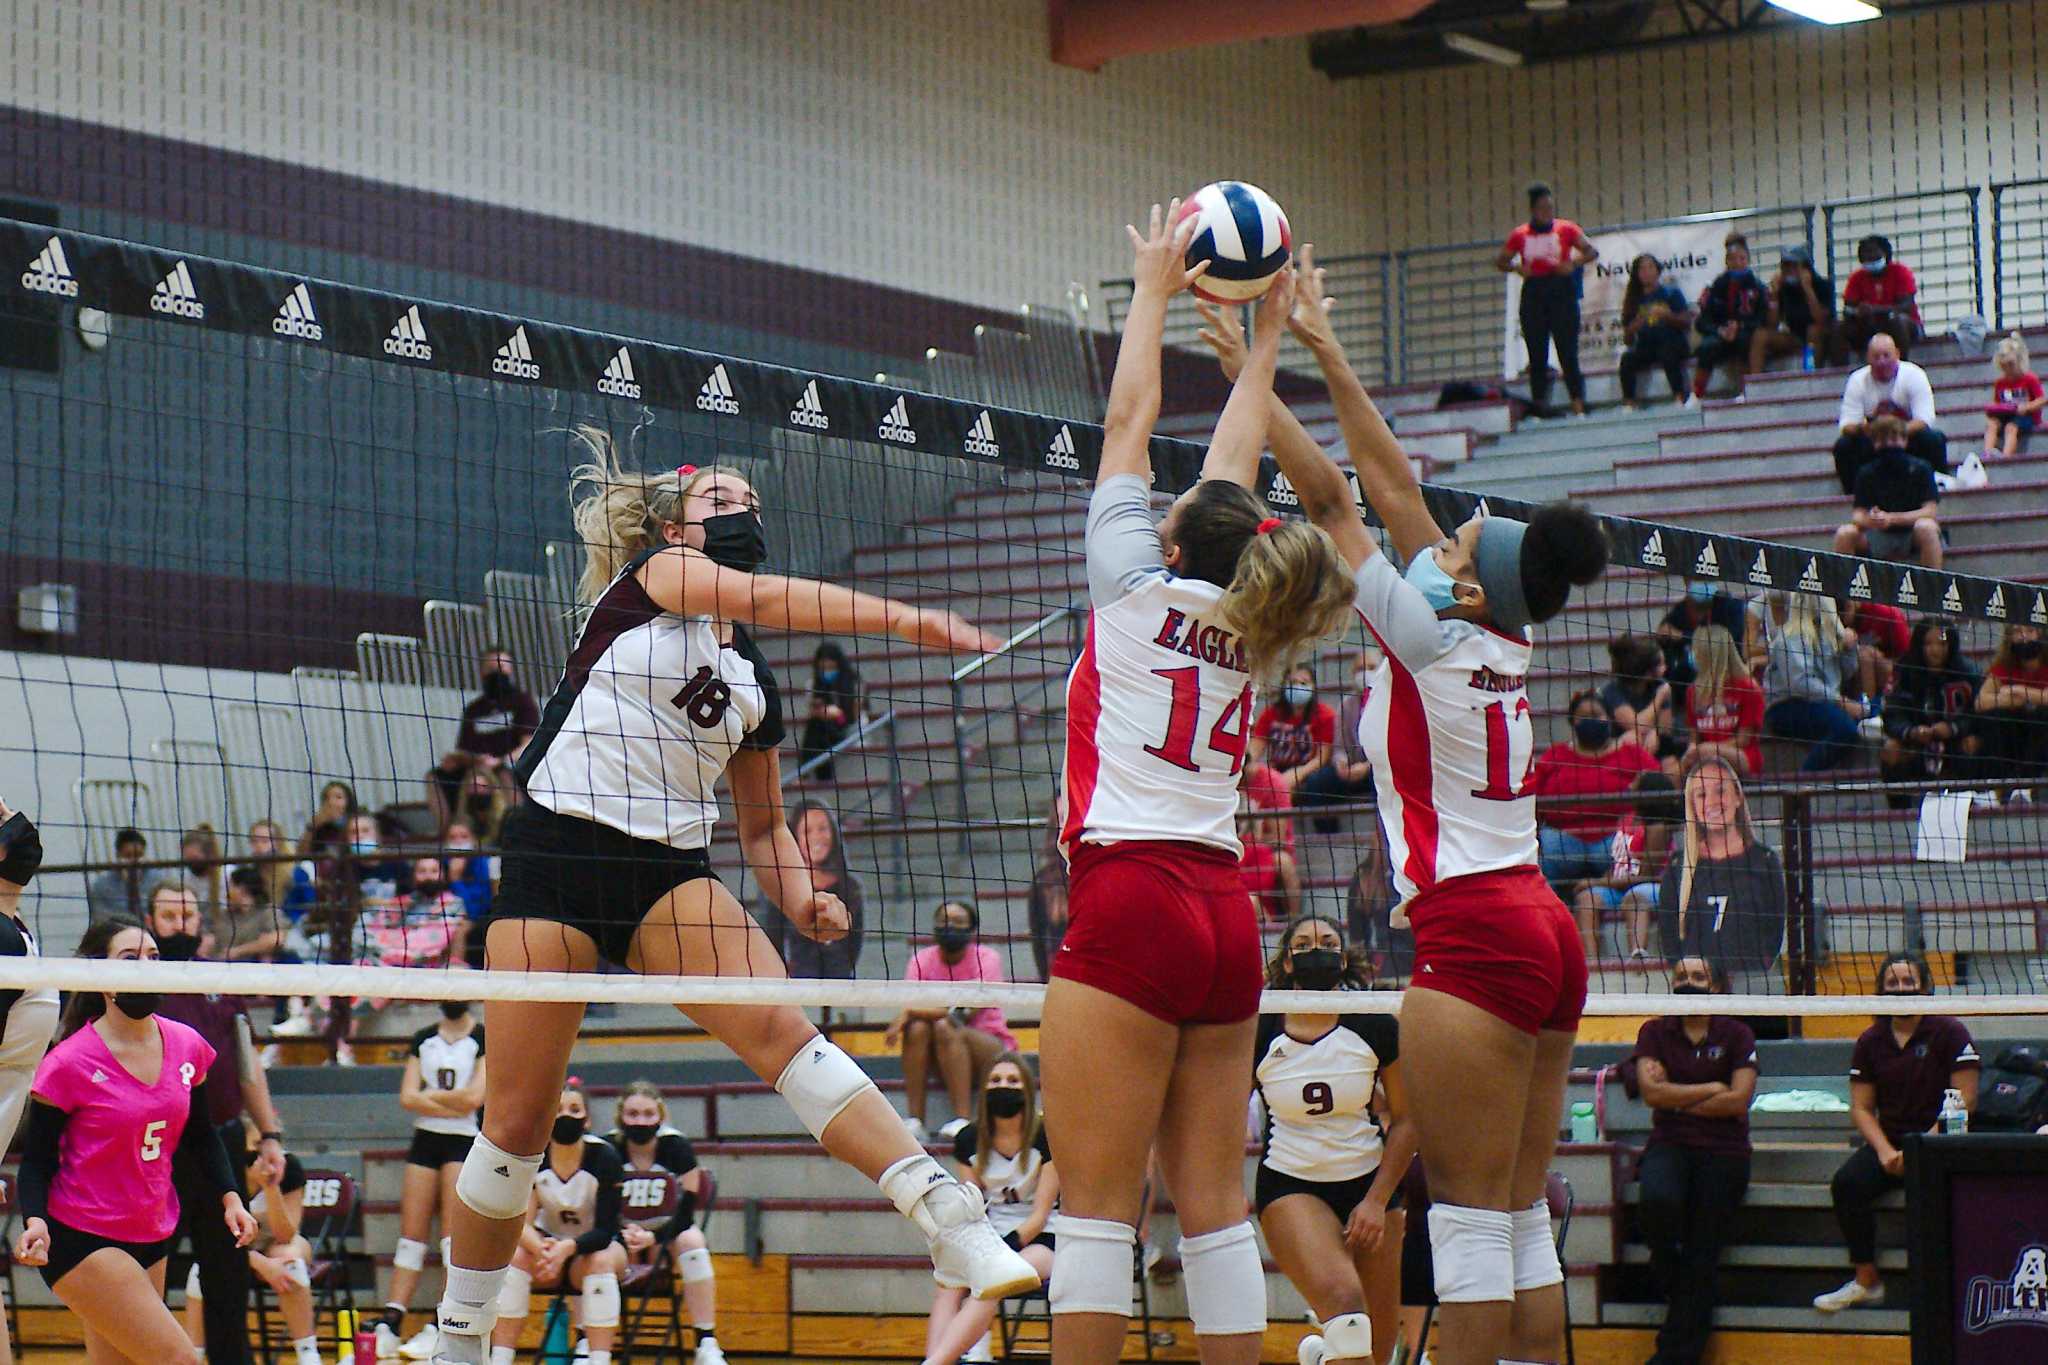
1902	1067
1698	1073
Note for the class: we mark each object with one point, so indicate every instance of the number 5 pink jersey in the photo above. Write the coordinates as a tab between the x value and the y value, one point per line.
1159	703
114	1162
1448	731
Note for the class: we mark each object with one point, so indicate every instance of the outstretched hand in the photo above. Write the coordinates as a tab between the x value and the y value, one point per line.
1225	336
942	630
1271	314
1310	320
1159	260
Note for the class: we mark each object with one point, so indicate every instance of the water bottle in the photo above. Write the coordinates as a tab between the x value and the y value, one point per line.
345	1328
1806	359
1584	1126
1955	1118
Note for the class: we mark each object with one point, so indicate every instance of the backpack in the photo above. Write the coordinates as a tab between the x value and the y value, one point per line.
2012	1093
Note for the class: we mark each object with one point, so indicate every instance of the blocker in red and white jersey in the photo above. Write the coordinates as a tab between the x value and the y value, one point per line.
1449	735
1160	702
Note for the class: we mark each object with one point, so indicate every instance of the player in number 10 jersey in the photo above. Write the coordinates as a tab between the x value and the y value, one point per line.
1500	979
1149	1018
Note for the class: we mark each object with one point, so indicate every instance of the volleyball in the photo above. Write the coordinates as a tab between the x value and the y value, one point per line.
1243	235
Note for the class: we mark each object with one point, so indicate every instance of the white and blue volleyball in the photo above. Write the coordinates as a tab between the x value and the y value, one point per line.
1243	235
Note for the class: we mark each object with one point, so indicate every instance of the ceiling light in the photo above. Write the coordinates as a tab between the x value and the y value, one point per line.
1503	56
1829	11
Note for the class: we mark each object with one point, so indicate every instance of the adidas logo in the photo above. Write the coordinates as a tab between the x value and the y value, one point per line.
1952	600
817	1055
716	395
896	426
1809	577
1708	565
617	379
981	437
1859	586
1994	606
809	411
295	316
2039	615
176	296
1760	572
1061	454
408	339
50	273
505	1171
1282	493
1909	596
515	357
99	1077
1653	552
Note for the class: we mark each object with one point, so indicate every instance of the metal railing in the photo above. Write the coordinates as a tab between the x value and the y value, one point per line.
1934	231
957	685
2019	253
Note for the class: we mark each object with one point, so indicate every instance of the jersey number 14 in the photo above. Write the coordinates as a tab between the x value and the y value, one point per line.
1186	717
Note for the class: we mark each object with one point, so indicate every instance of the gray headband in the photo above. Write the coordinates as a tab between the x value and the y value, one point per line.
1500	572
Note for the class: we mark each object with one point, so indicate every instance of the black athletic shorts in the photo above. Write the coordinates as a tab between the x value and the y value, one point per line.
1341	1195
435	1150
69	1246
581	873
1043	1239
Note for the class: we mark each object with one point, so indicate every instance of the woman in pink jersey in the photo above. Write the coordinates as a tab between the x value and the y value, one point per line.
1162	951
1500	977
114	1103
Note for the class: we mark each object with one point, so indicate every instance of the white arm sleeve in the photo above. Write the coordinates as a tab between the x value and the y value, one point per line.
1122	539
1919	396
1852	399
1397	614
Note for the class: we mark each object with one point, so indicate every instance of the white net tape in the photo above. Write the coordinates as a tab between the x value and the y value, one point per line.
1020	999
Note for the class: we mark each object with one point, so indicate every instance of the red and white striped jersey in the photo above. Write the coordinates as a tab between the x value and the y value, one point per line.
1448	729
1159	704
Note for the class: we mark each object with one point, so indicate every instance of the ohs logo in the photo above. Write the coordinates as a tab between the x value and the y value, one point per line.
2021	1300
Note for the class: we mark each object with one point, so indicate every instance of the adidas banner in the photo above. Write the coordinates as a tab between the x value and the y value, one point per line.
44	266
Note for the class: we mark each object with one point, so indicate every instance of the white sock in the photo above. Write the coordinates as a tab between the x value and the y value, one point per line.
504	1355
598	1357
308	1349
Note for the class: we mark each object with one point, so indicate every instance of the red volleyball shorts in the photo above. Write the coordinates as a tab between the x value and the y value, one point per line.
1165	925
1502	941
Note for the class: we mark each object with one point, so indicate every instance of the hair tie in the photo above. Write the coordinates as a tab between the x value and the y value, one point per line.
1269	525
684	471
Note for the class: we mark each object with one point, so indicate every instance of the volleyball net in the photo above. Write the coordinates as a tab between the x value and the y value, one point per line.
270	536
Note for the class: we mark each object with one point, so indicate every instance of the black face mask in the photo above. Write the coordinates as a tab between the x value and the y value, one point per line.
1004	1101
454	1009
639	1132
430	888
197	866
735	540
569	1128
1691	988
498	686
2026	649
24	850
1592	731
1892	993
177	947
1317	969
952	938
138	1004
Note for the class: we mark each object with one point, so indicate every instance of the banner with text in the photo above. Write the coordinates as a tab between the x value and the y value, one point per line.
1690	254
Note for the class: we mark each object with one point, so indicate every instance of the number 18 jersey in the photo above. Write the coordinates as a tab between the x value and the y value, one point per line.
1159	703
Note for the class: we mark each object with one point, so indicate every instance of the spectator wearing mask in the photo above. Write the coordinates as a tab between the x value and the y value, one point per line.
414	928
961	1043
1802	314
1348	774
2016	401
1812	658
1731	310
1698	1073
1703	604
1639	699
835	707
1267	862
495	726
1548	252
1887	386
472	876
1927	714
1640	850
1881	299
1895	504
1724	707
119	890
1723	892
645	1139
1575	838
2012	711
1294	733
817	840
330	822
1655	321
1903	1068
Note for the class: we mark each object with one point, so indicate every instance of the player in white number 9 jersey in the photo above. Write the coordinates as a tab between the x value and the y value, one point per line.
1500	977
1147	1030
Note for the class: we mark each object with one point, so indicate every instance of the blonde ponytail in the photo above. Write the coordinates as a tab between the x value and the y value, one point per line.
619	514
1291	590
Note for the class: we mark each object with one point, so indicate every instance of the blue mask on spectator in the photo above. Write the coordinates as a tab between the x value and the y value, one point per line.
1427	577
1297	694
364	846
1877	266
828	675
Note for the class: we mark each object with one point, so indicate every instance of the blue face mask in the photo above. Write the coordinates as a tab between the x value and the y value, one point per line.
1427	577
364	846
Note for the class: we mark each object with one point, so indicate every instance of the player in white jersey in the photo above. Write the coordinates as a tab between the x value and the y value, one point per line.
607	858
1148	1020
28	1019
1334	1152
647	1142
1500	977
443	1086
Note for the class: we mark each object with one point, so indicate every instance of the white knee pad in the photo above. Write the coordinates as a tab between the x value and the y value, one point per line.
819	1082
694	1266
600	1301
192	1283
495	1183
1473	1251
1226	1281
299	1273
1091	1265
515	1296
1536	1264
409	1255
1348	1335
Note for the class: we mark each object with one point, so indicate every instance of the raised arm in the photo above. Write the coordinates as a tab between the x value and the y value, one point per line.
1158	272
1241	430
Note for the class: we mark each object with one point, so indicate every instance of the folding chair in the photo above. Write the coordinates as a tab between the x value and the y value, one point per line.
1024	1322
7	1258
1557	1193
654	1309
328	1210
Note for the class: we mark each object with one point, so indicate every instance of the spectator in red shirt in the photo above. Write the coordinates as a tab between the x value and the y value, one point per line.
2016	401
1294	734
2012	711
1724	707
1348	774
1575	841
1883	635
1267	863
1881	296
1547	252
